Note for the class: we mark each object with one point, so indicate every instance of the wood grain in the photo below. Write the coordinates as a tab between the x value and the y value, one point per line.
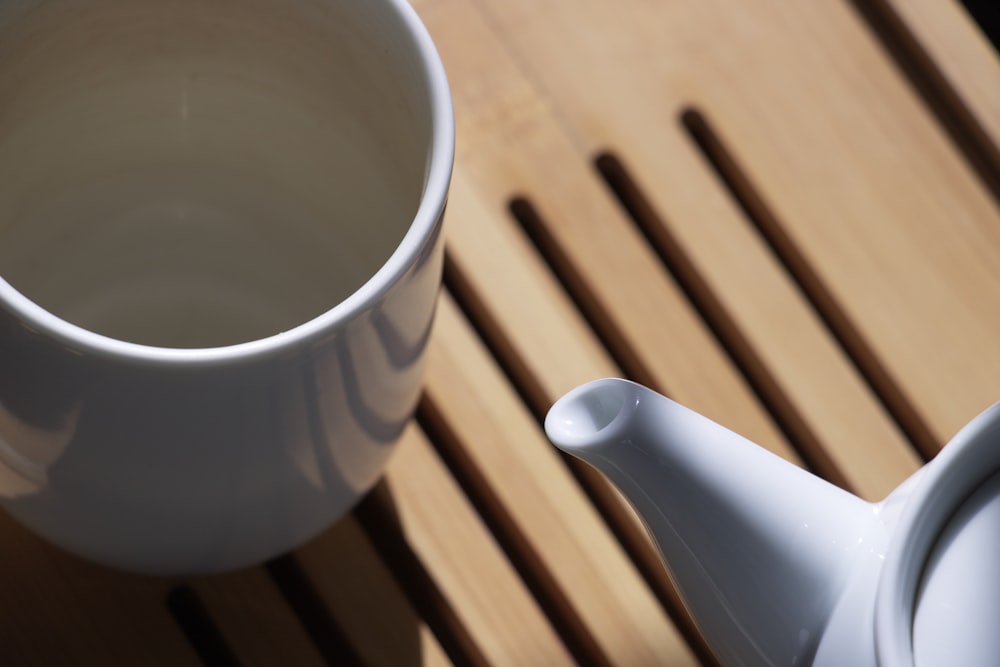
878	201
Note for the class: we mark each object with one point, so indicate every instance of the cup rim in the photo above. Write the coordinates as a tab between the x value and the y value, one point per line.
969	459
422	228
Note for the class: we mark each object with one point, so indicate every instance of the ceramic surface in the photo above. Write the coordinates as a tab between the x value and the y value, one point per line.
220	252
779	567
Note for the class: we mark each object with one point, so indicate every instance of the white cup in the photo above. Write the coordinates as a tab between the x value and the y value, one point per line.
220	252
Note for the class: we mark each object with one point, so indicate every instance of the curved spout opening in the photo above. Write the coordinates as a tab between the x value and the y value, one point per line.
583	417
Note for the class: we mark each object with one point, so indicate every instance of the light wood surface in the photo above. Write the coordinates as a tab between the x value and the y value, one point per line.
784	215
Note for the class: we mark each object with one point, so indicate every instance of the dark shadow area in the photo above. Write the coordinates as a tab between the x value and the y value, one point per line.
987	14
194	621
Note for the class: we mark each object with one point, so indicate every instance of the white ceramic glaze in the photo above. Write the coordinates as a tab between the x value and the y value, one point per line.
780	568
955	620
220	252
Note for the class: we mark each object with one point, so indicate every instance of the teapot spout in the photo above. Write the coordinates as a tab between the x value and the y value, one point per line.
758	548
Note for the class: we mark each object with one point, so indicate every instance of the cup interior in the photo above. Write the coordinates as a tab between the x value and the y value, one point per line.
193	174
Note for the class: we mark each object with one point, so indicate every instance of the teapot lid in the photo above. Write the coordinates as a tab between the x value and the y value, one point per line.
956	619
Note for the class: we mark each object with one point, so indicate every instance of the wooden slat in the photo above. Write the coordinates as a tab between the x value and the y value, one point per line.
465	562
360	592
531	482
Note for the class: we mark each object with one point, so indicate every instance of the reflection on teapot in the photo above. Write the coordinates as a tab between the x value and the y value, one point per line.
780	568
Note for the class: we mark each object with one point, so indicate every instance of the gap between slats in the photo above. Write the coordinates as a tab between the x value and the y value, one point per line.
760	215
721	324
933	87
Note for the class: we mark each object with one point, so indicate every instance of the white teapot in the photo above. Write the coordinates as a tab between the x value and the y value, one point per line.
780	568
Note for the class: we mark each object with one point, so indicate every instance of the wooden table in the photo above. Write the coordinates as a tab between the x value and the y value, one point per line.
784	215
